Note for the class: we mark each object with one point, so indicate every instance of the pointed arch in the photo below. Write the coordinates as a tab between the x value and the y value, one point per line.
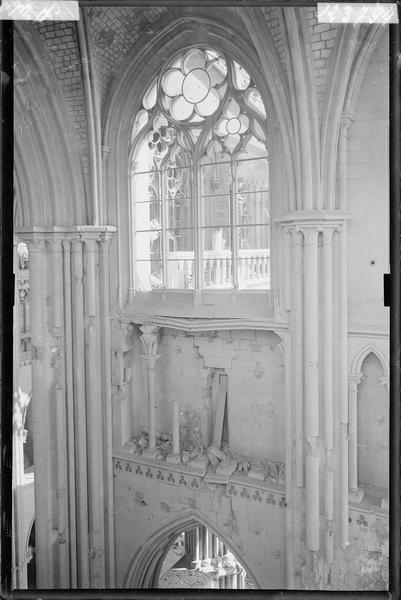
304	108
333	106
123	102
49	172
356	364
144	568
361	62
279	92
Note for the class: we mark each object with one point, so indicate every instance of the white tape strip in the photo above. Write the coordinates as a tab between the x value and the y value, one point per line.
334	12
39	10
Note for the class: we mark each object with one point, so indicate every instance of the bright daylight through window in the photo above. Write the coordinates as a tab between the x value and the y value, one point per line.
200	178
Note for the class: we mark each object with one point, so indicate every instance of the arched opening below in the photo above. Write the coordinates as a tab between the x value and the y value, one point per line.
197	558
373	425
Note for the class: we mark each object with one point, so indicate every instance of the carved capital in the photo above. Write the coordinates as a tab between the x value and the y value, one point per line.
55	243
150	340
327	230
37	244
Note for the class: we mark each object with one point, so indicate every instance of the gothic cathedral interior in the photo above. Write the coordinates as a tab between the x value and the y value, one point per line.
201	348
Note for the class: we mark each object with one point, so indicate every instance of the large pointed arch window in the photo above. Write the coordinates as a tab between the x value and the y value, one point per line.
200	178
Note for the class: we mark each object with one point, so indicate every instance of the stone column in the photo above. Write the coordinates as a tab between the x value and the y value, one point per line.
327	346
149	339
311	384
105	241
297	337
79	394
346	120
69	398
71	353
342	284
94	411
43	413
57	363
353	382
176	427
343	387
19	572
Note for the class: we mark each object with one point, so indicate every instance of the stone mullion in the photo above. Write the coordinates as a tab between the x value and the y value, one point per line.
93	413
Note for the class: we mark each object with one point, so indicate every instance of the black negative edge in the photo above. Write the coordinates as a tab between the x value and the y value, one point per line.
7	293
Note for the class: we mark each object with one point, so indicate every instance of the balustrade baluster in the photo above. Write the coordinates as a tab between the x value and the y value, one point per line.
206	272
222	269
228	270
241	268
246	270
251	267
218	271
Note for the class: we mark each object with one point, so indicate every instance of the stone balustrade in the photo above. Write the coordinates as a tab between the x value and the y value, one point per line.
253	268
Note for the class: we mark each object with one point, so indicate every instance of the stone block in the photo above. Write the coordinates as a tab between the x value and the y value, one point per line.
257	473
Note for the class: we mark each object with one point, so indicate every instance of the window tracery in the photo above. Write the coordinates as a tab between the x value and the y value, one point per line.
200	178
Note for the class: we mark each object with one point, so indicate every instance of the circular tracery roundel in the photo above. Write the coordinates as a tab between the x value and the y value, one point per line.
203	98
194	85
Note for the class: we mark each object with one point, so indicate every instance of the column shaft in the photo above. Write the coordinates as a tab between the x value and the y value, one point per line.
289	471
343	387
311	386
327	333
353	432
43	448
297	326
94	420
81	477
176	427
149	339
150	367
19	574
60	412
69	398
107	410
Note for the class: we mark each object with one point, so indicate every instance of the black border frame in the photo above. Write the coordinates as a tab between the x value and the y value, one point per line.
6	331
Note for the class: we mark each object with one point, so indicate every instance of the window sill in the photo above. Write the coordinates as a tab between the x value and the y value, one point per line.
206	304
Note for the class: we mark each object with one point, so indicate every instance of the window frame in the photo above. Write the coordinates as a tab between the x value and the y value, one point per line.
198	224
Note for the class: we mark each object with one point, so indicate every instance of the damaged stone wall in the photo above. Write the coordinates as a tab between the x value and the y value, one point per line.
247	515
254	364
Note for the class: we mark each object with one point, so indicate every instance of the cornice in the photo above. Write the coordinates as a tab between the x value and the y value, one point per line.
313	217
68	229
195	325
